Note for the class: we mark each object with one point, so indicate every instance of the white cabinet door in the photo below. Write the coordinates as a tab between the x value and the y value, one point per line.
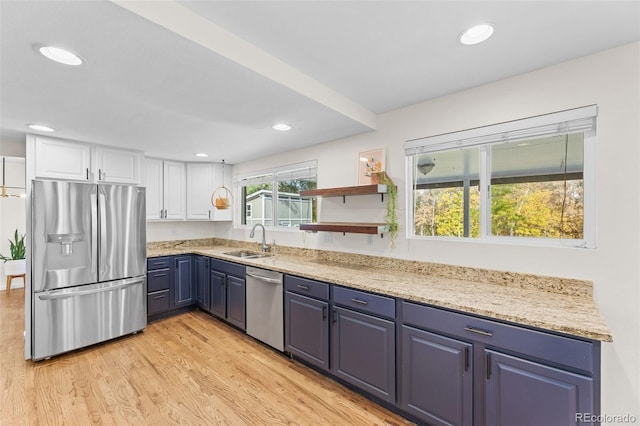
153	180
175	199
117	166
58	159
222	175
199	189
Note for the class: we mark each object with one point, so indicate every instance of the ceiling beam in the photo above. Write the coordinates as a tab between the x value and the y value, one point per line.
184	22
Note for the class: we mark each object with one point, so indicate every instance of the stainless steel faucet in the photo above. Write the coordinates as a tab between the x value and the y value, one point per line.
265	247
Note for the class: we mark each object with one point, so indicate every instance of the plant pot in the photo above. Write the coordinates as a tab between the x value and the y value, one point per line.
222	203
221	198
15	267
379	178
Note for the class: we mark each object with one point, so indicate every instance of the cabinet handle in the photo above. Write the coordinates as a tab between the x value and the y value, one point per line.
360	302
165	213
335	317
209	214
303	287
324	313
158	263
87	173
99	174
488	366
159	297
466	359
481	332
159	275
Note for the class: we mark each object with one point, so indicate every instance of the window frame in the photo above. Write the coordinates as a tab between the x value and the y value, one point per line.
298	171
582	119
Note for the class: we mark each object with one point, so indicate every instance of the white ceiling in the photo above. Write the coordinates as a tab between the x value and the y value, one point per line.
176	78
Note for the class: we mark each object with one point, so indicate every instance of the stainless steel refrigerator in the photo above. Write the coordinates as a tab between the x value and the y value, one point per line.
88	264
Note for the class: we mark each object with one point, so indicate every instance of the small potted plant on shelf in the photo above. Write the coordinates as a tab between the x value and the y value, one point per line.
15	264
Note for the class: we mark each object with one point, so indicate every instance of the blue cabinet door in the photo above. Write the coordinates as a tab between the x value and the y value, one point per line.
236	303
525	393
218	286
184	289
306	331
437	378
201	273
363	352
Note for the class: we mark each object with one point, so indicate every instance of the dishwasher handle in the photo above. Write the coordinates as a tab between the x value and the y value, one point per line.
263	278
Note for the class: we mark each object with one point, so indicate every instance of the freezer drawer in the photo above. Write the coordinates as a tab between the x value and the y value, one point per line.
68	319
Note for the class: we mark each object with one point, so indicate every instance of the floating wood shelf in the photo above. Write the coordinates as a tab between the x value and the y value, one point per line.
344	227
346	190
352	228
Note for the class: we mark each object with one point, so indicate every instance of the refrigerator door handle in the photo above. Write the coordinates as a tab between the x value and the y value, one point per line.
94	233
102	226
66	293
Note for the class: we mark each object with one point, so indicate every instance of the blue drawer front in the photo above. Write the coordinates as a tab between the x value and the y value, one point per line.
365	302
158	280
310	288
158	302
158	263
228	268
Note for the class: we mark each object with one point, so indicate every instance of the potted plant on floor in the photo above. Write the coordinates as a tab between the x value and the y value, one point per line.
15	264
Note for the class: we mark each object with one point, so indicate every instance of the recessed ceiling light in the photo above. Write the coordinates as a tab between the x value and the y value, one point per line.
40	128
60	55
282	127
201	154
476	34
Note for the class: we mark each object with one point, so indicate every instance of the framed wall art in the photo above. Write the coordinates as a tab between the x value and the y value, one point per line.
370	162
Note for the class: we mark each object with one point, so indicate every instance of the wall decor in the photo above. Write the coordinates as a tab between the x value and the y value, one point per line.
370	162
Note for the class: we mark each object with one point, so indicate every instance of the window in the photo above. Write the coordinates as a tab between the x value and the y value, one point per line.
283	184
525	180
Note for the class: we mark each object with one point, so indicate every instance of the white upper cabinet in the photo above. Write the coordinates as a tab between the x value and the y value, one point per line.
58	159
175	187
166	189
199	189
202	180
61	159
117	165
153	180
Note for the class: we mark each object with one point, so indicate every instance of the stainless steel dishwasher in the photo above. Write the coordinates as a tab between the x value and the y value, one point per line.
265	307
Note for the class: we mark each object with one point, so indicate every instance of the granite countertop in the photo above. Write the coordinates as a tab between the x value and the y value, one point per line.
555	304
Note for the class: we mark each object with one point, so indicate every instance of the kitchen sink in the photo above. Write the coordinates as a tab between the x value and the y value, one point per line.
248	254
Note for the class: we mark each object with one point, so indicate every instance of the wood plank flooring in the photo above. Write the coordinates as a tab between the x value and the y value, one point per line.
190	370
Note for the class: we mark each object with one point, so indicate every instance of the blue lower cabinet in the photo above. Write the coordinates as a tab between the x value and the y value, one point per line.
202	282
218	302
160	280
306	333
437	378
236	303
363	352
184	285
228	292
522	392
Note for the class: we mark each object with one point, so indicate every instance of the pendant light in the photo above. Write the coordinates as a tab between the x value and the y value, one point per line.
4	194
222	198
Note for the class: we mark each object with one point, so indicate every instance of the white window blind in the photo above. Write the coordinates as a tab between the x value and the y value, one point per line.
563	122
307	169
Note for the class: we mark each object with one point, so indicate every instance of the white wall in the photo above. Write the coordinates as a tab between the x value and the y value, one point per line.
611	80
12	215
170	231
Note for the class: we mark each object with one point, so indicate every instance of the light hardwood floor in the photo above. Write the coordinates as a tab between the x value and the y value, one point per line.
190	369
